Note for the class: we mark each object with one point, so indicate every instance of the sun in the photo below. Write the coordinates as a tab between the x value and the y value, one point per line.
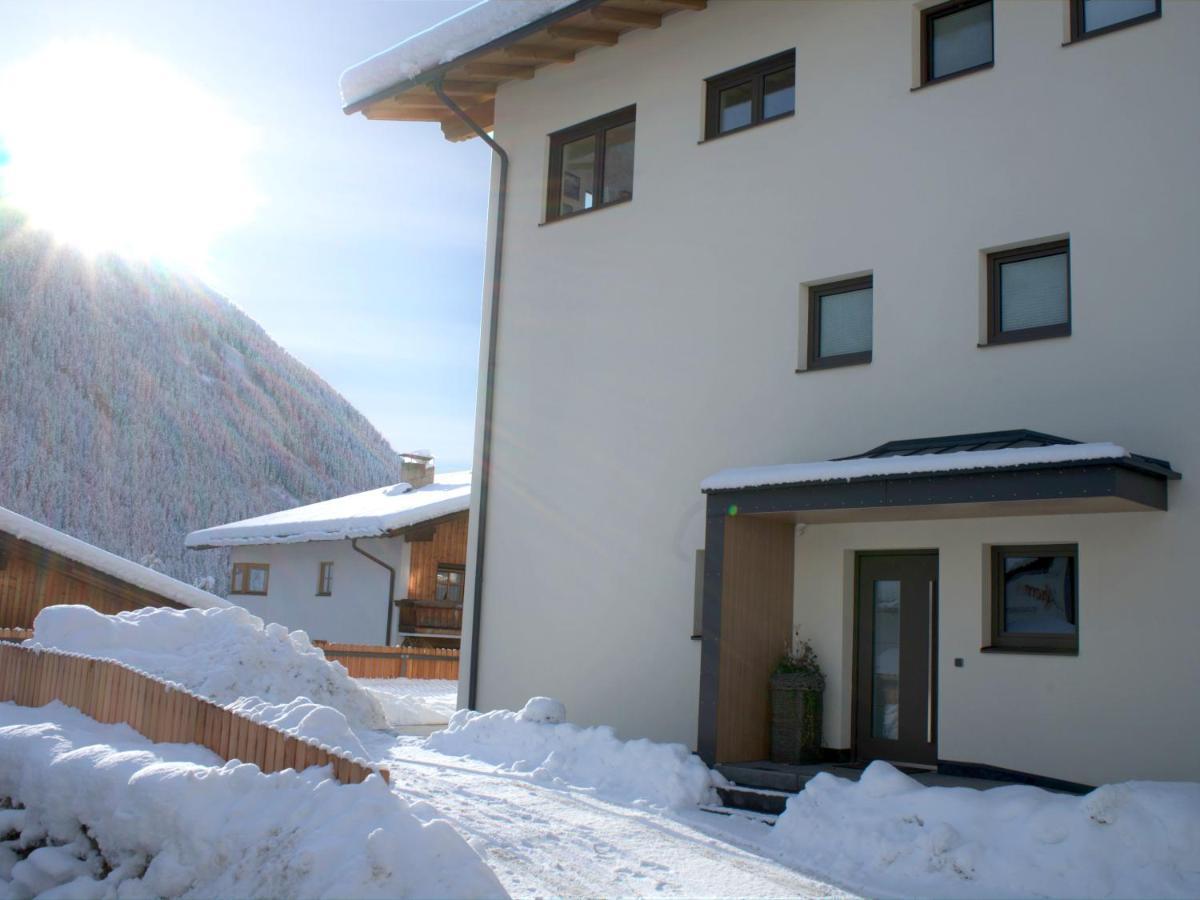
113	150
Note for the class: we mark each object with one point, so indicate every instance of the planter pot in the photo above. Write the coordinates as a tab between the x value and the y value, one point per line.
796	717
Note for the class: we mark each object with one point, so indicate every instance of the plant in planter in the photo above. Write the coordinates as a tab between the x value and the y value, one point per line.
797	687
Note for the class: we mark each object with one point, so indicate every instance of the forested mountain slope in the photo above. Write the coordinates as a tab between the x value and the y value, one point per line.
137	405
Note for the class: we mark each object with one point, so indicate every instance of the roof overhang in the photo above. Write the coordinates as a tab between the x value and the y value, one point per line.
473	76
1112	483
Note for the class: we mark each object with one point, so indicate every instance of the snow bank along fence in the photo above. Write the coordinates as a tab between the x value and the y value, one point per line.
367	661
162	711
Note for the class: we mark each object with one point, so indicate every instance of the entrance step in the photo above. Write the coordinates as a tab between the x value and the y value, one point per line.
746	814
769	776
759	801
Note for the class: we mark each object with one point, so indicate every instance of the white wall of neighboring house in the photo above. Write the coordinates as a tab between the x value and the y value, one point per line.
646	346
355	612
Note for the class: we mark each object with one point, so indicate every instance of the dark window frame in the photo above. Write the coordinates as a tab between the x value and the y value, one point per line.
1079	19
596	127
462	584
756	74
816	293
996	335
246	568
1025	642
325	578
932	14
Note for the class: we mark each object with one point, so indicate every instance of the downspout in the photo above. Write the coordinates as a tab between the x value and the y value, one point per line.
387	638
485	462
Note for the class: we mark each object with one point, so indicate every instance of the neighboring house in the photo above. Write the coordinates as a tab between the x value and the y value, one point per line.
757	234
42	567
380	567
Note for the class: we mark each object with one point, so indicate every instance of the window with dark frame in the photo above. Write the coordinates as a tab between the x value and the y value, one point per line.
449	588
840	323
750	95
591	164
325	579
956	38
250	578
1029	293
1094	17
1035	598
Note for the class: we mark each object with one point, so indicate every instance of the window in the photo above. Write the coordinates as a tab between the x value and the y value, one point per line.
591	165
751	95
1029	293
840	323
449	584
250	578
1035	598
1092	17
956	38
324	579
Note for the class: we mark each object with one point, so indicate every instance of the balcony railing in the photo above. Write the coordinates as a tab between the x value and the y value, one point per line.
429	617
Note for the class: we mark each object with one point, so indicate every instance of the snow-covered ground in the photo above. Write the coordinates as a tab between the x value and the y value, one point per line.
414	701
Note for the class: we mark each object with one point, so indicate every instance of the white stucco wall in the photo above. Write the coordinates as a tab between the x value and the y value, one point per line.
355	612
648	345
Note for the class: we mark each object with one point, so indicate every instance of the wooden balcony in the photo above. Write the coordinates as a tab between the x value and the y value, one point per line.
427	617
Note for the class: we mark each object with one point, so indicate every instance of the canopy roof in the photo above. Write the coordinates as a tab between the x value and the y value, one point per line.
485	46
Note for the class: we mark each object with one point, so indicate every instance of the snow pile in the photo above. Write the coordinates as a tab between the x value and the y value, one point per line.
525	742
222	654
888	834
917	464
368	514
110	812
109	563
468	30
414	701
303	718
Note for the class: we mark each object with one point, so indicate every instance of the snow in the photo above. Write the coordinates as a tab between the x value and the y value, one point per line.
225	655
889	835
528	743
414	701
917	464
117	813
26	529
468	30
368	514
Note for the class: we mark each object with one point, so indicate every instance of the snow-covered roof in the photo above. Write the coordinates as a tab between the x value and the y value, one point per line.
369	514
917	464
469	30
118	567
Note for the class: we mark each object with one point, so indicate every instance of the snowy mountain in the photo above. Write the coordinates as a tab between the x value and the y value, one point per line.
138	405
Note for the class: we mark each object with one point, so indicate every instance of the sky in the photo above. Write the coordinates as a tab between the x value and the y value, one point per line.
364	254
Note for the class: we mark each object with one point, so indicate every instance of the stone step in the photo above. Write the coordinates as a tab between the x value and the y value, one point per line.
753	800
748	815
758	775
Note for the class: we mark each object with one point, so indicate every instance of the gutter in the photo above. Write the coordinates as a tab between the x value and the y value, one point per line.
387	638
438	72
485	461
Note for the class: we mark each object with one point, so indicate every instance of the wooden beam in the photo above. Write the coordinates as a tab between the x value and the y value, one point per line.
454	129
626	17
584	35
686	4
497	70
383	113
540	52
481	89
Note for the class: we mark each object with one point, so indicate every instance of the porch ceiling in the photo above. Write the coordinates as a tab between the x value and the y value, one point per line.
962	476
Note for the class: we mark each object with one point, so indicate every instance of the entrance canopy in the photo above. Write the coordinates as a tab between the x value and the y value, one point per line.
995	473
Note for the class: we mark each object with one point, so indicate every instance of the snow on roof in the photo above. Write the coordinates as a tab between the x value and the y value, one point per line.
449	39
916	464
118	567
369	514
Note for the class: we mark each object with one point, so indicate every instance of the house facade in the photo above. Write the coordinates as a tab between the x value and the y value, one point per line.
384	567
742	235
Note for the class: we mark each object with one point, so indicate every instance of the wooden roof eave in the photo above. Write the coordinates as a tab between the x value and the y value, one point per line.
473	79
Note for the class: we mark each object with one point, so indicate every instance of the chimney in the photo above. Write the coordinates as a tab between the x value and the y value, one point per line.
416	468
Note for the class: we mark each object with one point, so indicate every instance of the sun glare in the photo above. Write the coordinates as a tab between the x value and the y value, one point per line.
113	150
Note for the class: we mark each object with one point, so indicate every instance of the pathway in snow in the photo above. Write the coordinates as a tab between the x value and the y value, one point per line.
548	841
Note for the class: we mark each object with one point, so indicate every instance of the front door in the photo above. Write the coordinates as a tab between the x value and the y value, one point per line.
895	695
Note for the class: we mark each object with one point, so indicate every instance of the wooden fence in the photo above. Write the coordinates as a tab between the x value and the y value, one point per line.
367	661
164	712
15	635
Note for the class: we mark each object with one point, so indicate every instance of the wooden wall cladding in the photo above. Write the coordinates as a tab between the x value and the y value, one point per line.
448	545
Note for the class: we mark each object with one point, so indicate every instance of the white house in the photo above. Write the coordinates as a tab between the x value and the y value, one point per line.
379	567
954	240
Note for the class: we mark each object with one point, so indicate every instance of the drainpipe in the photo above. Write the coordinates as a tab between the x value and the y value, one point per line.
485	462
387	638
